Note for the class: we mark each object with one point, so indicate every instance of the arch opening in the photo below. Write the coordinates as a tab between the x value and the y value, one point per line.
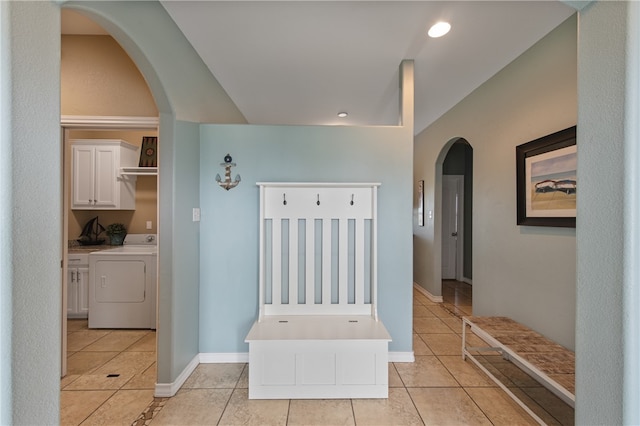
454	231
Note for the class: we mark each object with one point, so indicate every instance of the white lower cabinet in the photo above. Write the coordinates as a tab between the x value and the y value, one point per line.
78	286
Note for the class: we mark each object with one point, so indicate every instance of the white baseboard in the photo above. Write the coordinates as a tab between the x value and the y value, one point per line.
167	390
401	357
224	357
435	299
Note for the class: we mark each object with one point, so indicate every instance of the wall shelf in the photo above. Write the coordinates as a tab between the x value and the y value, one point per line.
138	171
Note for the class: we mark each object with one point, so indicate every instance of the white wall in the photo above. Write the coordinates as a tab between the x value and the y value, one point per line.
31	214
608	292
527	273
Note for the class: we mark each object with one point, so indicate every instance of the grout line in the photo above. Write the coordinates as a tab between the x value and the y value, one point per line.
226	405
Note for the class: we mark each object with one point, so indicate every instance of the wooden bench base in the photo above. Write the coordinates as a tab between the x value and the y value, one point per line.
318	357
543	359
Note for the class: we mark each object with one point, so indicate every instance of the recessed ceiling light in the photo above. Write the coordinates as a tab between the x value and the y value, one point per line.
342	114
439	29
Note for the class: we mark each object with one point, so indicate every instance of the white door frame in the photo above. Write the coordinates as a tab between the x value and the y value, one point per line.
89	123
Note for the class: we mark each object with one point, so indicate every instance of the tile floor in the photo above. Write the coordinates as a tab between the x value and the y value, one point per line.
110	377
438	388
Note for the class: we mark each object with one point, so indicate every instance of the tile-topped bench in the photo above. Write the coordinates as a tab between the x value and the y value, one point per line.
548	362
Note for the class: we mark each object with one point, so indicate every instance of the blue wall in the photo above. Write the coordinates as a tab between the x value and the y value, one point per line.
229	223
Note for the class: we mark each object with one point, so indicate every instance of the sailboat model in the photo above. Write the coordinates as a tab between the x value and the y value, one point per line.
91	233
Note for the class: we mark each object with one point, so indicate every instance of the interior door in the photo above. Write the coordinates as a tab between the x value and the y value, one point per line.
452	187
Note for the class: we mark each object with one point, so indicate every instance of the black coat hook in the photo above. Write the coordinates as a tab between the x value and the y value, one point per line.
318	202
351	199
284	199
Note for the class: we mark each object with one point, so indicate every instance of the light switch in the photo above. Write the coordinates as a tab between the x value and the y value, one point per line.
196	214
430	214
149	224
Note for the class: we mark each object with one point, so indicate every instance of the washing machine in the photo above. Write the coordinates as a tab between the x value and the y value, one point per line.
123	283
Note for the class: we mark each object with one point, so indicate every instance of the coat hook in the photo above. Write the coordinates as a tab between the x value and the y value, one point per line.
284	199
318	202
351	199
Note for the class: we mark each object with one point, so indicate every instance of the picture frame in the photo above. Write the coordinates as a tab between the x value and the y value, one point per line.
149	152
546	180
421	203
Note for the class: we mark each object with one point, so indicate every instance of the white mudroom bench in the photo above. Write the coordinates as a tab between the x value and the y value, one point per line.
318	334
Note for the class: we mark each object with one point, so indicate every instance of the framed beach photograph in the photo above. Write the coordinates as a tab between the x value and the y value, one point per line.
547	180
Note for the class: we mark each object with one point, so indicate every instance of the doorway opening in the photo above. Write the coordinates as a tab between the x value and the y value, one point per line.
124	109
456	224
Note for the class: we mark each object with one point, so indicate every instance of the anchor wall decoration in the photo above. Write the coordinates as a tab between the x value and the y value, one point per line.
227	183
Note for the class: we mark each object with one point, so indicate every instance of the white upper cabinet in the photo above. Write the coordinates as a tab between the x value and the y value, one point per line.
95	178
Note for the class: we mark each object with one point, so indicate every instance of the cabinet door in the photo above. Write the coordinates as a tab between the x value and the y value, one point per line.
72	292
106	188
82	279
83	177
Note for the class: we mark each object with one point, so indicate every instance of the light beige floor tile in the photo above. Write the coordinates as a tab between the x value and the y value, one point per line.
77	406
118	340
66	380
78	340
443	344
454	324
421	298
439	311
123	408
242	411
128	363
243	383
144	380
465	372
214	376
421	311
394	378
398	409
447	406
473	340
97	381
425	371
430	325
499	407
330	412
466	308
420	347
87	362
76	325
194	407
146	344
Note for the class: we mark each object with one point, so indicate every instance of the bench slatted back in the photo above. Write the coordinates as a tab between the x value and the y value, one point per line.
318	249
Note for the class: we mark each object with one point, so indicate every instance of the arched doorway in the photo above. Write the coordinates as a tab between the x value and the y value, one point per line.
456	176
117	118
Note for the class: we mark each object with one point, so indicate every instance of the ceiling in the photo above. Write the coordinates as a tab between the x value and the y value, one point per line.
302	62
